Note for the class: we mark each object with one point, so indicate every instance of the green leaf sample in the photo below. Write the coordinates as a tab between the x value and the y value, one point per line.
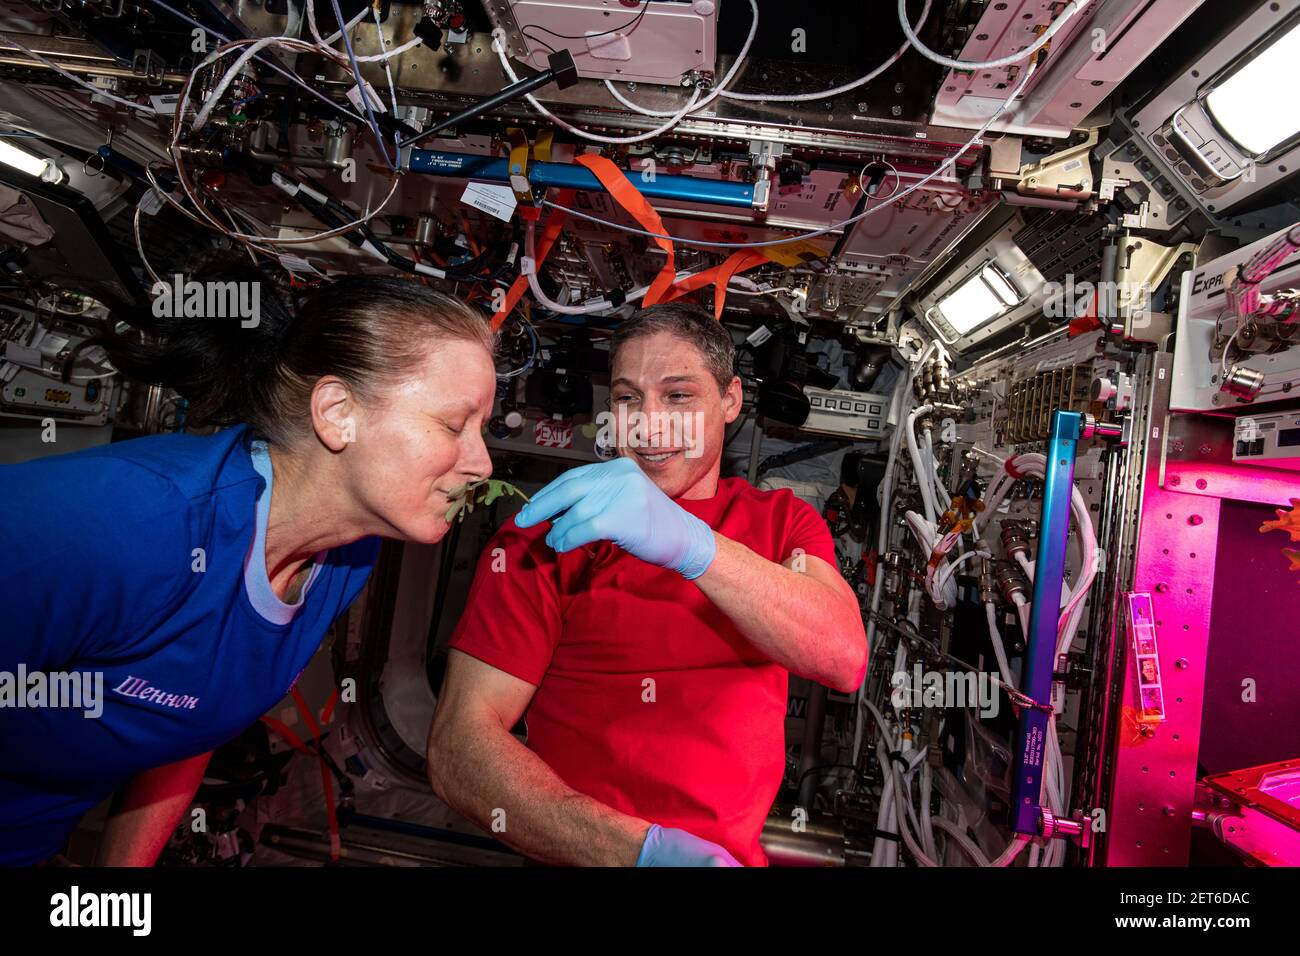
479	493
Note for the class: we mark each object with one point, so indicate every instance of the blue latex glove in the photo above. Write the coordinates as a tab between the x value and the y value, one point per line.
615	501
679	848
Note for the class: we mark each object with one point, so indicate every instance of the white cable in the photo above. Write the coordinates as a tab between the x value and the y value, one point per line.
999	648
943	497
362	95
287	74
1023	560
388	71
139	246
881	848
385	56
812	234
922	476
834	91
1022	610
587	308
956	834
949	568
887	766
1013	850
927	818
327	41
10	38
782	97
643	110
994	495
201	117
498	44
265	240
694	103
1071	8
902	397
1227	346
389	54
898	181
884	853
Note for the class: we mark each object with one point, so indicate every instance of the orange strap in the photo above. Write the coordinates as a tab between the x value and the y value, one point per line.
740	261
292	739
638	207
550	233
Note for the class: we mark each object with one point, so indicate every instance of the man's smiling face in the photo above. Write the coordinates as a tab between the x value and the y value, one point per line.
661	381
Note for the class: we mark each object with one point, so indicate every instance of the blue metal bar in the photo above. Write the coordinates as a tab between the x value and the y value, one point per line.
1049	572
572	176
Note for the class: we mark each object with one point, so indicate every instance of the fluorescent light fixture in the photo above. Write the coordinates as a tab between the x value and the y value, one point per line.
1256	105
11	155
985	295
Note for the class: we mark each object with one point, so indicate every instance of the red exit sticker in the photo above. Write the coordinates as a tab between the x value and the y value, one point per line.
553	434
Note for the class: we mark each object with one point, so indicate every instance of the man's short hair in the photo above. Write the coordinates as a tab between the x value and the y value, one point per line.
689	323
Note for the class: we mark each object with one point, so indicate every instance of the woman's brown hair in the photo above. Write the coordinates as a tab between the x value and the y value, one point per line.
365	330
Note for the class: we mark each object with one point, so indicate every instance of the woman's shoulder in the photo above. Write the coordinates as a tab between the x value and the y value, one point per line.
133	497
149	468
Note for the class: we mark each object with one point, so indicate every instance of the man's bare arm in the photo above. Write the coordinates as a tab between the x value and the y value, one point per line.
478	768
148	811
807	621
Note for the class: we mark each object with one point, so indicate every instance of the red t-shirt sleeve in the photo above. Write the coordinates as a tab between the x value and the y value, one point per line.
807	530
512	620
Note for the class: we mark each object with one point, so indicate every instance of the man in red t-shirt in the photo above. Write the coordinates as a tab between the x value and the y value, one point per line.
644	614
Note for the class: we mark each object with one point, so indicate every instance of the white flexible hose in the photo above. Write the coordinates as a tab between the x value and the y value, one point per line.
587	308
1013	850
834	91
999	648
922	476
942	497
695	103
1071	8
901	812
958	836
902	398
1022	609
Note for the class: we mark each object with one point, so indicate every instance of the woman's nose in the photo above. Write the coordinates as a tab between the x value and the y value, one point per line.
475	460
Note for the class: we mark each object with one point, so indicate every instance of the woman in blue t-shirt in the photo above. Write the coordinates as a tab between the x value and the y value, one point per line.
182	582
